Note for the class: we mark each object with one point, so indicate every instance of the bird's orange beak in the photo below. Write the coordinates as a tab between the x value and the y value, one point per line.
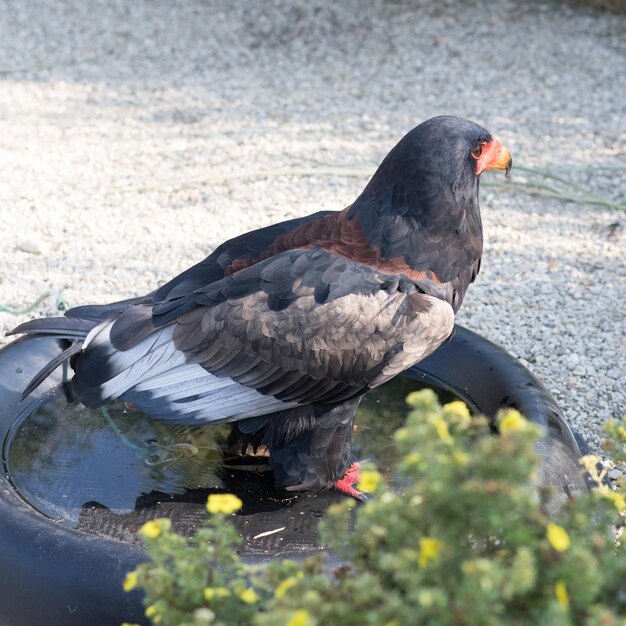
494	156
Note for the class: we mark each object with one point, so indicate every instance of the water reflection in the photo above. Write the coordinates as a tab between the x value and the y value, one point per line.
65	455
109	470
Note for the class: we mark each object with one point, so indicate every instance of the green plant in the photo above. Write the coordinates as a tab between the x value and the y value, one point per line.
465	542
196	580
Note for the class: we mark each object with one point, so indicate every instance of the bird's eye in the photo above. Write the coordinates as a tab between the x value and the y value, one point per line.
476	153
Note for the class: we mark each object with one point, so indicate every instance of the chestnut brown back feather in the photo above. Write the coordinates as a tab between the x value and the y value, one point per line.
340	235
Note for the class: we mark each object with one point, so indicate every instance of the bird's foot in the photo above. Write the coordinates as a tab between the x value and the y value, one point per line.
346	484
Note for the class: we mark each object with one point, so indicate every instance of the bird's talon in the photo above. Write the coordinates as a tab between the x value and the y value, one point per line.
346	484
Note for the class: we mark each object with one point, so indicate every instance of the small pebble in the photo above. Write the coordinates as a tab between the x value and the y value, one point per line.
30	246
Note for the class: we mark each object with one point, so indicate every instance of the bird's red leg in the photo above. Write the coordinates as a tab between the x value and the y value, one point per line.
346	484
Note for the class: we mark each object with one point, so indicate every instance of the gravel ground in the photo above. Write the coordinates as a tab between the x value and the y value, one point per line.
131	132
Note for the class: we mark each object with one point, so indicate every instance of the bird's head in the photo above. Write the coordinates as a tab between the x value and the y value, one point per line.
426	188
441	154
448	147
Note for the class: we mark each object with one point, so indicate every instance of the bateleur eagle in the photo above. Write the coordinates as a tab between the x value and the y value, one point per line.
281	330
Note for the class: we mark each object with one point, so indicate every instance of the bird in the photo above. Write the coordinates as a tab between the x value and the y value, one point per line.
281	331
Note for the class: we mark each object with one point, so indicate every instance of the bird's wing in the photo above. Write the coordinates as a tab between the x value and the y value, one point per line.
246	247
304	326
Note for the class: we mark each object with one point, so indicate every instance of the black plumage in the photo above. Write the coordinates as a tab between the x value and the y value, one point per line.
283	329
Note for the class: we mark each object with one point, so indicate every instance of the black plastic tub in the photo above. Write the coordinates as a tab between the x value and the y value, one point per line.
56	574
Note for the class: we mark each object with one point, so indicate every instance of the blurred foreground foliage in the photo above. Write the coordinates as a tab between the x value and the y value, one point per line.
466	541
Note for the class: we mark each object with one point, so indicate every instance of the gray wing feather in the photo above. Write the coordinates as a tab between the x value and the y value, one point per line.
273	355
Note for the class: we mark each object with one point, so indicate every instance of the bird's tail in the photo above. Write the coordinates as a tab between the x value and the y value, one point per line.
70	328
74	326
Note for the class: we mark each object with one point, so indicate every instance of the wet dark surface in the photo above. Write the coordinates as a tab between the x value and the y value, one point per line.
106	471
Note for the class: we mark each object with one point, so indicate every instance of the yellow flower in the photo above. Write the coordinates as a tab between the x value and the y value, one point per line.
300	618
248	595
215	592
512	422
594	467
413	458
402	433
618	500
154	528
225	503
460	458
425	598
560	592
153	613
441	426
558	537
429	550
370	479
590	462
130	582
127	624
287	584
457	408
